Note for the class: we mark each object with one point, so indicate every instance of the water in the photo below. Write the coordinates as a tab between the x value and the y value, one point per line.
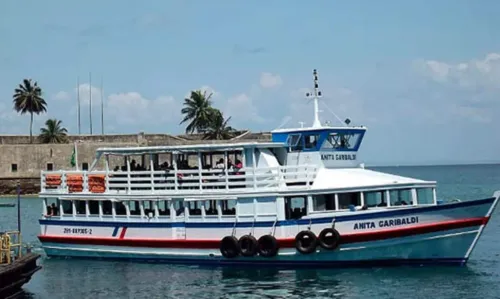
102	279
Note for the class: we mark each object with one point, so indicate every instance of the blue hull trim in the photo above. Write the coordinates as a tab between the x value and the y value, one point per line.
342	218
285	264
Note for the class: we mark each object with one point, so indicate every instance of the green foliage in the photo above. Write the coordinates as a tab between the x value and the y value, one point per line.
28	99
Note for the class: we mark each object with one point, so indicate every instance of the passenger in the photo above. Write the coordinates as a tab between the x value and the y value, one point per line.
220	164
54	210
49	211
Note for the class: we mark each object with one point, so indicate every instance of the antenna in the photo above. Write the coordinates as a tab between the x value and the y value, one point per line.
102	108
90	107
78	100
316	96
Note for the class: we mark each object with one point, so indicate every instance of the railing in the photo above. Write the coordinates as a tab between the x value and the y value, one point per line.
168	181
10	242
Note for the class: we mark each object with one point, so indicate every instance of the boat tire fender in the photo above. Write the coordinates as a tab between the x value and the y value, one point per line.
306	242
329	238
268	246
229	247
248	245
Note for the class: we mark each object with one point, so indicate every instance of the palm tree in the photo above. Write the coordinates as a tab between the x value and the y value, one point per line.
28	99
53	132
217	128
197	110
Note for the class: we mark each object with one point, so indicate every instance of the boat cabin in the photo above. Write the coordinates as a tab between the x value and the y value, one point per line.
330	147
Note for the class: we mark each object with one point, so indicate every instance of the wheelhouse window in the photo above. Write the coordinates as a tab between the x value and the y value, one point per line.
324	202
294	142
375	199
347	199
295	207
425	196
311	141
341	141
401	197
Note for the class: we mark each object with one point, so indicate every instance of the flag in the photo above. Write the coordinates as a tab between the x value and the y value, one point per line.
73	157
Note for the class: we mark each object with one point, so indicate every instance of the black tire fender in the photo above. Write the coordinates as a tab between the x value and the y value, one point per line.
268	246
229	247
329	238
306	242
248	245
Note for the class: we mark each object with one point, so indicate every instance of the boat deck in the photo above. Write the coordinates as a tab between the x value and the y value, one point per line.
170	182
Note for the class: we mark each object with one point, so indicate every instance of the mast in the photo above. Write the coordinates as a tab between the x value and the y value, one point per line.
316	95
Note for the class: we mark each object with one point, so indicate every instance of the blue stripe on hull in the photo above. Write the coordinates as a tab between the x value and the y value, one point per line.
483	205
446	247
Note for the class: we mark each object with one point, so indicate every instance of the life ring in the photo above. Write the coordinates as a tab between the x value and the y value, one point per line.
306	242
268	246
248	245
229	247
329	238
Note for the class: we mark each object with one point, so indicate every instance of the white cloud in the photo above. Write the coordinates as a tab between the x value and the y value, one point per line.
242	110
475	73
62	96
132	108
86	90
268	80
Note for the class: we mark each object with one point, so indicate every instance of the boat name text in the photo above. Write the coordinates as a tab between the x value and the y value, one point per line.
81	231
338	157
385	223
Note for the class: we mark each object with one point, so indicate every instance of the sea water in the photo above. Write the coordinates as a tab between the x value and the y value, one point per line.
76	279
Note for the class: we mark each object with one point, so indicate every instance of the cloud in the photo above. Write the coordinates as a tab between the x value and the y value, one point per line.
473	74
62	96
268	80
132	108
242	110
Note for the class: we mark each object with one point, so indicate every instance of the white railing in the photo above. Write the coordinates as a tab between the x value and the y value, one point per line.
171	181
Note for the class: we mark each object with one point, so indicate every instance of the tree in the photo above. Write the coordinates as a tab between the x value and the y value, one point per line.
218	127
197	110
28	99
53	132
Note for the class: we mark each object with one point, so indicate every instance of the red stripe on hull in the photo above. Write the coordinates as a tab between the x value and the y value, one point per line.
124	231
283	243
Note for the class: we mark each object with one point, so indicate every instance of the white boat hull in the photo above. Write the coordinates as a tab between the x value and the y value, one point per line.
435	234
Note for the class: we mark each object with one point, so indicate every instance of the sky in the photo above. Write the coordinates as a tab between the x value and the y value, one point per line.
423	76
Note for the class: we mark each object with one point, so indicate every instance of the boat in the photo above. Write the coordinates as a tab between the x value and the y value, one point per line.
303	199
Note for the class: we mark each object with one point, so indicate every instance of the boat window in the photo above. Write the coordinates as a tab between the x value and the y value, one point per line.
401	197
163	208
66	207
294	143
179	207
341	140
106	207
295	207
375	199
194	208
347	199
228	207
425	196
93	207
134	208
80	207
120	209
210	207
324	202
311	141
